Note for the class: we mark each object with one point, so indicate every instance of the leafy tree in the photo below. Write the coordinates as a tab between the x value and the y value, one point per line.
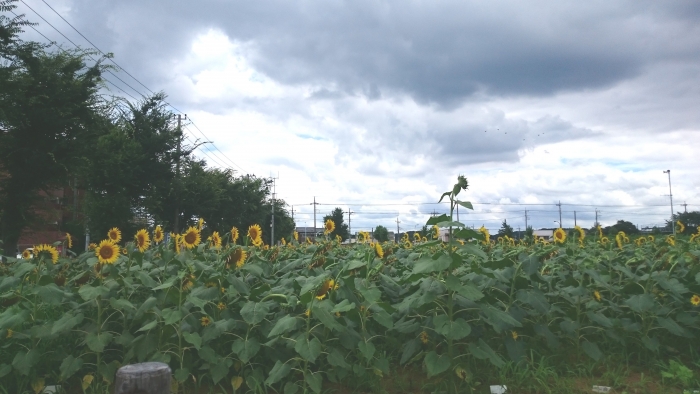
505	229
381	233
51	115
529	232
691	221
340	227
621	225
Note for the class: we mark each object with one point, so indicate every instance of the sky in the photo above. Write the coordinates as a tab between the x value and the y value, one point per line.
377	106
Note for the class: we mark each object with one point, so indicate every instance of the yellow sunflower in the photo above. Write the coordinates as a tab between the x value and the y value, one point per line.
604	240
143	240
69	241
205	321
600	231
200	224
27	254
283	242
236	257
234	234
92	246
435	232
514	335
255	234
361	237
325	288
680	226
619	239
671	240
650	238
560	235
107	252
46	250
215	240
221	306
378	250
191	238
597	296
424	337
581	233
328	227
296	235
158	235
338	238
177	241
487	236
114	235
416	237
695	300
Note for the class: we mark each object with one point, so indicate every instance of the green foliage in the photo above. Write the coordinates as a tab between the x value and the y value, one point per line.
341	229
505	229
381	234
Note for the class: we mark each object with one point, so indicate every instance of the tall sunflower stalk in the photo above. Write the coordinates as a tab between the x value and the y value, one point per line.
461	184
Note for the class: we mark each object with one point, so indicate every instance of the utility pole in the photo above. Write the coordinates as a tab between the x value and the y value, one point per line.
350	212
293	215
397	229
685	207
314	204
526	220
596	217
272	222
178	134
670	195
575	224
458	212
559	205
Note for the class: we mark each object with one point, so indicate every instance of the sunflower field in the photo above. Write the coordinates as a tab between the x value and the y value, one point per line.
231	314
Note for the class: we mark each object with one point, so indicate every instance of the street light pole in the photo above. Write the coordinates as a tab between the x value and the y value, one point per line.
670	195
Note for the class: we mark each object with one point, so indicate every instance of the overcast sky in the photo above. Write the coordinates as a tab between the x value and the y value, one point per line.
377	103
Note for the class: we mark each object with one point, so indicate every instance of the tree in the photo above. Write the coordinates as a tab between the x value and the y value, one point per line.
381	233
529	232
51	116
691	221
621	225
505	229
340	227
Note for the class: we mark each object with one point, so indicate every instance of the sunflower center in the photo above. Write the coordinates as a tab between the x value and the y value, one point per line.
106	252
190	237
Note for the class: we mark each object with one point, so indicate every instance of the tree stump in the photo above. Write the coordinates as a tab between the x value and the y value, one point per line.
144	378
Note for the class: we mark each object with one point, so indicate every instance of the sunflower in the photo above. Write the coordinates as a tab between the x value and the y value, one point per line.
283	242
308	241
9	333
435	232
407	245
69	241
514	335
581	233
221	306
424	239
695	300
46	250
191	238
597	296
329	226
338	238
619	240
295	234
307	313
27	254
600	231
680	226
234	234
416	237
255	234
671	240
177	241
205	320
487	237
107	252
560	235
650	238
604	240
424	337
361	237
324	289
236	257
158	235
114	235
92	246
143	240
378	250
200	224
215	240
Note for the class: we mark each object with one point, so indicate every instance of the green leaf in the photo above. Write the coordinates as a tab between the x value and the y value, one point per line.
367	349
246	349
96	342
383	318
465	290
66	322
208	354
193	338
336	359
651	343
312	284
354	264
600	319
448	223
24	361
5	369
146	306
165	285
326	318
121	304
483	351
13	317
279	371
499	316
409	349
283	325
254	312
591	350
436	364
290	388
437	219
465	204
671	326
148	326
640	303
146	280
181	374
427	264
171	316
309	350
343	306
89	293
51	294
457	329
69	366
218	371
314	380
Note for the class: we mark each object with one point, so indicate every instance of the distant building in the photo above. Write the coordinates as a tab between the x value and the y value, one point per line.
308	232
546	234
